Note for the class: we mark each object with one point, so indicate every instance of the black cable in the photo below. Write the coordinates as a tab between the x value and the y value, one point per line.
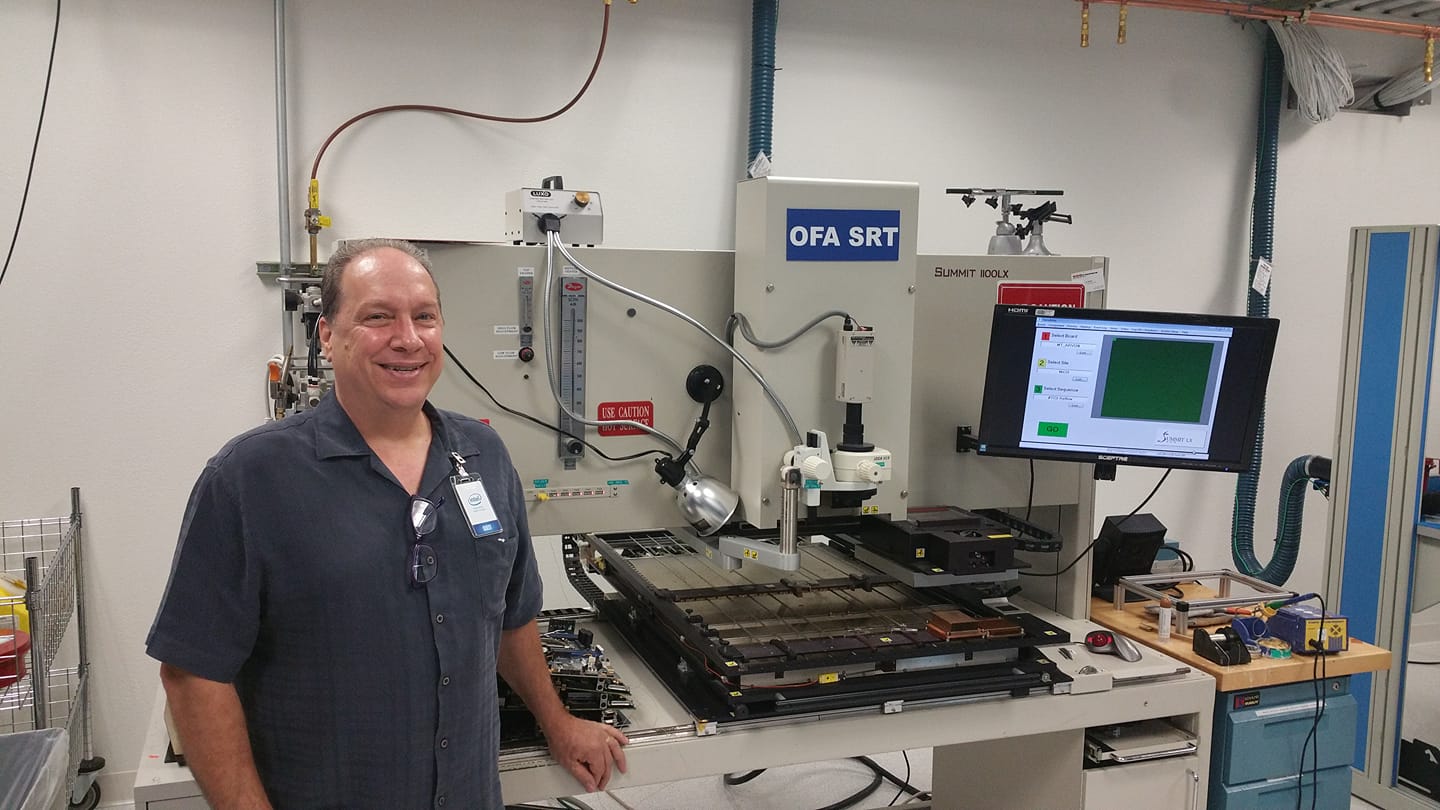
879	772
1030	498
1317	677
731	780
899	791
542	423
312	339
1081	555
1186	560
1314	725
35	148
905	783
858	796
1324	676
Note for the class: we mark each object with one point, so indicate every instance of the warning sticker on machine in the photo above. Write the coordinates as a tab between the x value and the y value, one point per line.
1041	293
642	411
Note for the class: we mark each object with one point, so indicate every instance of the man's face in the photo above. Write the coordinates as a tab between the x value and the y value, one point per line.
386	342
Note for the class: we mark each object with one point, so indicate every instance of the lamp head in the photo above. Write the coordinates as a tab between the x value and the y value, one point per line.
706	503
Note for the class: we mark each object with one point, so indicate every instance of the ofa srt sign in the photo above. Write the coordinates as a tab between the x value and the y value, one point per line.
841	235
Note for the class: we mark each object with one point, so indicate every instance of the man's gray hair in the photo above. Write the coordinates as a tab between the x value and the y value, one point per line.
349	251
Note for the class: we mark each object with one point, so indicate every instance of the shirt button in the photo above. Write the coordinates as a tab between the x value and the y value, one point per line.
444	742
439	618
445	681
440	800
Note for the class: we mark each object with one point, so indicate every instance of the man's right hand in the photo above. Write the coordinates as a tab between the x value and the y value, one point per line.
211	723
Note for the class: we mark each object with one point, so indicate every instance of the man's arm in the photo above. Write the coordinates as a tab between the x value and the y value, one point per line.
217	746
585	748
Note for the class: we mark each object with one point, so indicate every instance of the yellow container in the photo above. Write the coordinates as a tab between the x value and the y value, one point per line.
13	613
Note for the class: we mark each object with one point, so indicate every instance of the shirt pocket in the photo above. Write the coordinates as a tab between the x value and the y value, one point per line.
495	564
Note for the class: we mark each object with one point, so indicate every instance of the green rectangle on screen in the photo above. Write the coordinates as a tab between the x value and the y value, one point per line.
1163	380
1057	430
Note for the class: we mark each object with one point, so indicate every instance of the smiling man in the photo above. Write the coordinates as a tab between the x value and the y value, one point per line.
348	583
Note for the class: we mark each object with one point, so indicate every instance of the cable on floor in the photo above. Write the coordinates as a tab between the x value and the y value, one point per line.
732	780
859	795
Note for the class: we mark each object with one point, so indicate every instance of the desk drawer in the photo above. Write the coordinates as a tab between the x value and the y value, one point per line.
1264	742
1279	794
1172	783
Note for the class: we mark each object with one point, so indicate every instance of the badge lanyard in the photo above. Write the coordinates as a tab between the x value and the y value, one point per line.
471	494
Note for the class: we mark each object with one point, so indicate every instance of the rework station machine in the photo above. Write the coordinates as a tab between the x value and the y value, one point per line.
797	513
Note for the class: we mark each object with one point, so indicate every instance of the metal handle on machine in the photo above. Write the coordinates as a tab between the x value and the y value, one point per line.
1194	788
790	479
1187	748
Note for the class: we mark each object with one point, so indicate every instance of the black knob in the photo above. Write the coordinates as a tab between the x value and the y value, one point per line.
527	353
705	384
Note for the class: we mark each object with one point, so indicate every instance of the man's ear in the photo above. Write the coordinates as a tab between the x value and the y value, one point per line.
325	334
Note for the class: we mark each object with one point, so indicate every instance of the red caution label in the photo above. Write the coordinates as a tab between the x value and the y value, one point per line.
642	411
1041	293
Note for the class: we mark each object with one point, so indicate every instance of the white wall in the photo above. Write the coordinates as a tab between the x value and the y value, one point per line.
133	330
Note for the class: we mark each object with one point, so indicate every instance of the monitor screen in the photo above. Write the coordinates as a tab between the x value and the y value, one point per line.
1157	389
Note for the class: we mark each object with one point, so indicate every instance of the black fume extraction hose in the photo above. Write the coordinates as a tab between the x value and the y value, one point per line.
1291	510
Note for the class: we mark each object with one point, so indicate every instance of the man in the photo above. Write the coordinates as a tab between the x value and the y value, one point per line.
349	581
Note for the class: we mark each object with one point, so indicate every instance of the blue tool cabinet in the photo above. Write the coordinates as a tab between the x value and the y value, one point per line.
1258	736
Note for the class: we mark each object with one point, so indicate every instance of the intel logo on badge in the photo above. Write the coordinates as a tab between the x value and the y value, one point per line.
841	235
476	499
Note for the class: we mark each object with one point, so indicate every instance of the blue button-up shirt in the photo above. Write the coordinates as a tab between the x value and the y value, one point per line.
291	580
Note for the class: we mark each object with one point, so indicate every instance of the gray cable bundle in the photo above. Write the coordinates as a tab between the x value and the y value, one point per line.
1316	71
1406	87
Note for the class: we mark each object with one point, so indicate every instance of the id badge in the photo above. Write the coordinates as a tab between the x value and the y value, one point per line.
479	511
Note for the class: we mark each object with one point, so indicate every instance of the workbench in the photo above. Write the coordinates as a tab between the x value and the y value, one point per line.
1263	712
978	743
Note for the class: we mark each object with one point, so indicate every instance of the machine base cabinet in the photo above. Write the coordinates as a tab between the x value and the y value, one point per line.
1259	736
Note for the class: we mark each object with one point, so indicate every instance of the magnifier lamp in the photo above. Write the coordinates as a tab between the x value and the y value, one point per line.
706	503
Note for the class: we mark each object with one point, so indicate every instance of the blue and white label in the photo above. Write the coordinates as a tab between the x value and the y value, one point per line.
479	512
841	235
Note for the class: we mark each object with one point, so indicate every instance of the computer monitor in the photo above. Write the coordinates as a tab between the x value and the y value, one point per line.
1155	389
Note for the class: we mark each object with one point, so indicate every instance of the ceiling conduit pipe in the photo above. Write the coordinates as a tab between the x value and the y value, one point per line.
763	18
